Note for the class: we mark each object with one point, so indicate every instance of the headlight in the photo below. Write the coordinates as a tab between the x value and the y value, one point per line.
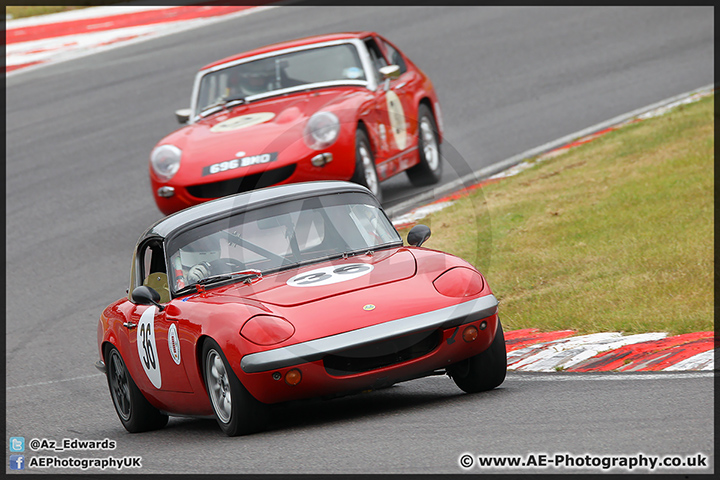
459	282
322	130
165	161
267	330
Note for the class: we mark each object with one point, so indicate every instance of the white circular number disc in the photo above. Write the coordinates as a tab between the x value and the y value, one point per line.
397	119
243	121
146	346
329	275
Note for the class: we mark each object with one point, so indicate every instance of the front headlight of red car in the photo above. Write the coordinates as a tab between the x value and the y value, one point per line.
321	130
165	161
459	282
267	330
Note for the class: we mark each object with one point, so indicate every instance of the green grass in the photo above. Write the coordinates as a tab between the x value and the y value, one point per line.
613	235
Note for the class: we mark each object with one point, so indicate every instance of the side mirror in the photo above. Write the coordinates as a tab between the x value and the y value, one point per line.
418	235
390	71
146	296
183	115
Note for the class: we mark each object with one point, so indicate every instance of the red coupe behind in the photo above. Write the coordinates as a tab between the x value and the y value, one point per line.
345	106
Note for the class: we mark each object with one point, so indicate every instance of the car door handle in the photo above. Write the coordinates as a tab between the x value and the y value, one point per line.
129	325
399	86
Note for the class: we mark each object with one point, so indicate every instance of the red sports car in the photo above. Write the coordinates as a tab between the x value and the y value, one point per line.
285	293
345	106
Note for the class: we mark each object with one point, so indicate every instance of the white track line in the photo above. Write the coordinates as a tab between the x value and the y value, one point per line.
55	381
593	377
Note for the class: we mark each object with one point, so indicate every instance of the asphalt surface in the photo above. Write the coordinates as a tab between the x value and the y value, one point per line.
78	137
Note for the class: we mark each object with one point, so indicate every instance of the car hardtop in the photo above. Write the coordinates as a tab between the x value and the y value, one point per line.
241	202
300	42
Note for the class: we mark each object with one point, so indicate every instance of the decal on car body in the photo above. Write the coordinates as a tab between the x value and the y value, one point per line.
174	344
330	275
239	163
243	121
146	346
397	119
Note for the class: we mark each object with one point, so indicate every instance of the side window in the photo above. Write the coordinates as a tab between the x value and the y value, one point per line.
395	57
152	269
377	57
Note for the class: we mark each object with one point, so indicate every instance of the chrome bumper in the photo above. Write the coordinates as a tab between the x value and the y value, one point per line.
313	350
100	365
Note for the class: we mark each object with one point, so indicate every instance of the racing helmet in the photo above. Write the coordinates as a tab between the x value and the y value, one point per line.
258	76
203	250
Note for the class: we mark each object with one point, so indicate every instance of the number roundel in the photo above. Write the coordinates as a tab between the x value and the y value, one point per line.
329	275
146	346
397	119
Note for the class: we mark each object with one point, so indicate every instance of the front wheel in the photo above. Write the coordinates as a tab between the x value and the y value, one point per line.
365	171
484	371
429	170
133	409
236	410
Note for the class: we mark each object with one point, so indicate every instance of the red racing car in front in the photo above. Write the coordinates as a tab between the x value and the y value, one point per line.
342	106
286	293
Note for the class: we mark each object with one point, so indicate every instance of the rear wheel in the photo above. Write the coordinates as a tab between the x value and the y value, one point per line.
236	410
429	170
484	371
365	171
133	409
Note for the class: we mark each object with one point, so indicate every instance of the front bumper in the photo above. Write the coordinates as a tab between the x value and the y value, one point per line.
262	372
100	365
316	349
305	165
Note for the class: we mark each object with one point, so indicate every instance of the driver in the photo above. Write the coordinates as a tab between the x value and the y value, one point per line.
258	76
192	263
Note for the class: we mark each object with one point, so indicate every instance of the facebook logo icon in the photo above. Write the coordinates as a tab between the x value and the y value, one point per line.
17	462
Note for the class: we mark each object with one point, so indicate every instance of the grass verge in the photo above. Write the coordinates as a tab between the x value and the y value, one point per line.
613	235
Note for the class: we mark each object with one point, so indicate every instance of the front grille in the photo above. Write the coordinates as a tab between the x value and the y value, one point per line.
241	184
381	354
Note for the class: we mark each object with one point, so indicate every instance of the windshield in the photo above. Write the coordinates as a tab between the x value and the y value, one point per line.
281	236
294	69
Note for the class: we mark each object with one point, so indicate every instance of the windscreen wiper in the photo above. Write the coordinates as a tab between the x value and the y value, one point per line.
224	104
246	276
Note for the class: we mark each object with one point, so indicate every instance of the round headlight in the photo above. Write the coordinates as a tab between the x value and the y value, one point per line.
459	282
267	330
165	161
322	130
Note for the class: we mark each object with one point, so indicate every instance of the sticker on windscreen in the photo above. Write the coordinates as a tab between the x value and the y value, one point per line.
329	275
243	121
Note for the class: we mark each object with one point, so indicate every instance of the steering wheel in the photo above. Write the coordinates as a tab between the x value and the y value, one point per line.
226	265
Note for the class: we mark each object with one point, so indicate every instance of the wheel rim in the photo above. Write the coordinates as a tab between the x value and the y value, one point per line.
369	169
218	383
119	385
429	144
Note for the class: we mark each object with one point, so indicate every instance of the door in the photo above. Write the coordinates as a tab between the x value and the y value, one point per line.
394	104
155	338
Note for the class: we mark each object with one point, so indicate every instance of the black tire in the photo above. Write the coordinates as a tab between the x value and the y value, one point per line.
365	170
236	410
133	409
429	170
484	371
